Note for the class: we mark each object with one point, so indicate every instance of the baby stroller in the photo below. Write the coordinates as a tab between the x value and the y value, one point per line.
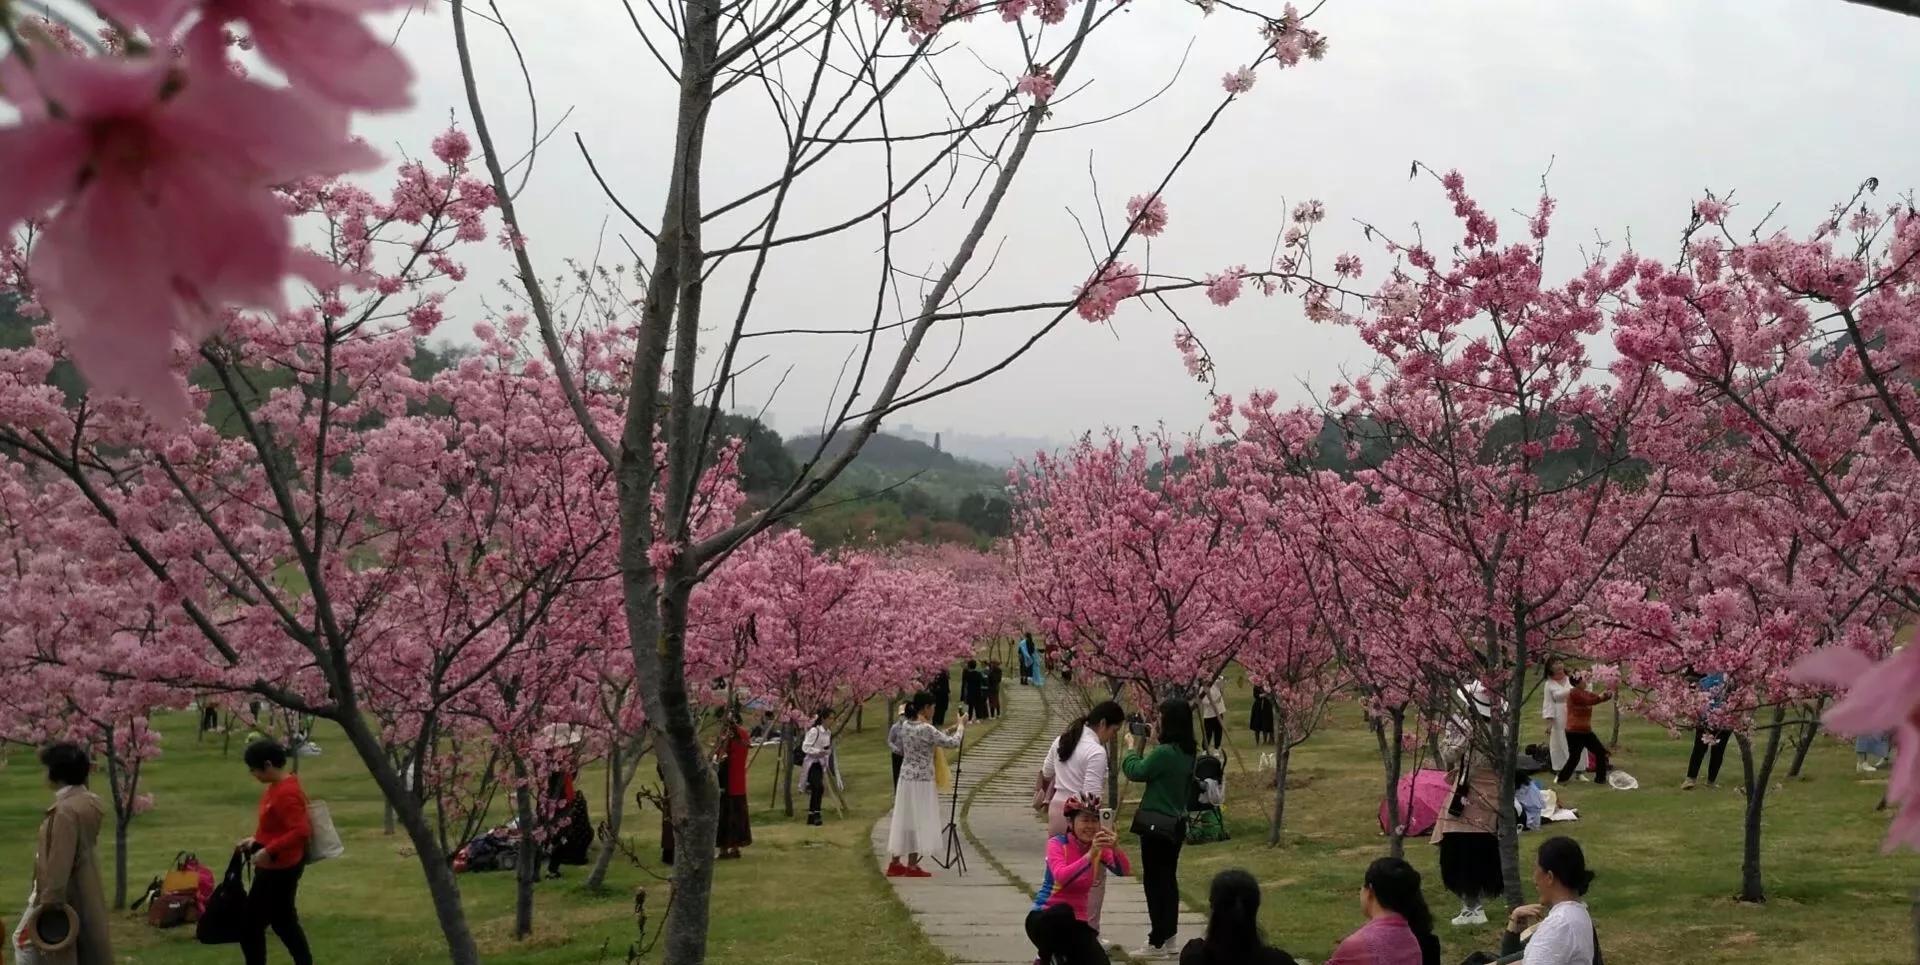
1205	822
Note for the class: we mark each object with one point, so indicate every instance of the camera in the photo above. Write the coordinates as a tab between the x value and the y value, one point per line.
1106	817
1137	726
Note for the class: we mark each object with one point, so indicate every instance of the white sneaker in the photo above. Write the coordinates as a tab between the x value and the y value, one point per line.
1148	953
1471	916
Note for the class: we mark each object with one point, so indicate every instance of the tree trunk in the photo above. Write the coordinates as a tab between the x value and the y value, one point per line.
526	868
1392	757
1613	740
1282	753
441	886
859	714
786	768
1758	778
622	766
1505	755
120	860
1808	731
387	819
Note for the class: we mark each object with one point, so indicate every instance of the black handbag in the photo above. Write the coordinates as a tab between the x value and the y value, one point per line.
1160	826
224	922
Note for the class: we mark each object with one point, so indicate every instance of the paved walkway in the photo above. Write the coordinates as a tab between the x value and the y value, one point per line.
980	917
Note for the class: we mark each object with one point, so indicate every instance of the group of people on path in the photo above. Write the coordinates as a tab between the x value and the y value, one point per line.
1083	851
66	918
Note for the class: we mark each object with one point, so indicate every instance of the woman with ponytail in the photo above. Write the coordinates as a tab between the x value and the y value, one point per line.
1233	926
1076	763
1566	935
1399	928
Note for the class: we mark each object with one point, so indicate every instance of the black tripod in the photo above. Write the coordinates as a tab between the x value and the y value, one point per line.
956	854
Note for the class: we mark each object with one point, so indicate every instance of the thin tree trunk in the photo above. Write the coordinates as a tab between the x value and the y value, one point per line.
387	819
1505	732
620	774
120	859
1283	752
526	868
1759	777
786	768
1808	731
1392	756
1613	740
859	712
434	864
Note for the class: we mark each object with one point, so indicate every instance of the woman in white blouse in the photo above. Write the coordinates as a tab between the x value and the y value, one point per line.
1565	936
1553	709
915	827
1076	763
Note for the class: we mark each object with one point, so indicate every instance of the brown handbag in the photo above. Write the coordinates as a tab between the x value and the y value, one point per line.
173	909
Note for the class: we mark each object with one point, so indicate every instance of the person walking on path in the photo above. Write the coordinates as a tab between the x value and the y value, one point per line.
1233	926
1399	928
1077	764
278	849
1553	710
1024	651
1062	925
731	753
65	870
940	691
1160	819
914	829
815	749
1213	712
1715	686
994	676
1580	736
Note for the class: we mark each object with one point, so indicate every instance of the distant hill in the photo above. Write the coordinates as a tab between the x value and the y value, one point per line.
996	449
902	489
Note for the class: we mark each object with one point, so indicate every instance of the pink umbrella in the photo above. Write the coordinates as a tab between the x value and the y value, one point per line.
1422	795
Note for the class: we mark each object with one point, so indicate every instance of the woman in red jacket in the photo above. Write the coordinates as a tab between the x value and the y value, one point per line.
279	852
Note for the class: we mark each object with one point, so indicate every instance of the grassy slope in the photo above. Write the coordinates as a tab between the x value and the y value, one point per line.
370	906
1667	859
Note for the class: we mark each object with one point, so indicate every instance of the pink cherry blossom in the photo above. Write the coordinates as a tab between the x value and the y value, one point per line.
1880	697
1711	210
1238	81
177	195
1224	288
1104	292
1036	82
1149	214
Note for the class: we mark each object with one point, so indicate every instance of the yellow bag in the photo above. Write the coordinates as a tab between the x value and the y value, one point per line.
942	774
181	877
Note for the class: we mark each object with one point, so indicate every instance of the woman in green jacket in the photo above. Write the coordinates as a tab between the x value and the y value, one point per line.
1160	819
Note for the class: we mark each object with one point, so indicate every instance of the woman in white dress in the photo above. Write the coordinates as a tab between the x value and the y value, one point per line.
1553	709
915	829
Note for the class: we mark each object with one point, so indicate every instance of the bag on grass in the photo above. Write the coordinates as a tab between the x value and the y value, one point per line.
323	840
173	909
224	922
181	877
1622	781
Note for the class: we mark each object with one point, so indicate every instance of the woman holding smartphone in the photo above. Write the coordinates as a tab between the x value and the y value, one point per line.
1059	925
1160	820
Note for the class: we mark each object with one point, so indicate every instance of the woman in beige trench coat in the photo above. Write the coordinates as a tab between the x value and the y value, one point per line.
64	869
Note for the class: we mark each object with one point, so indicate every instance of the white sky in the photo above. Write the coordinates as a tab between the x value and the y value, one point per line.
1638	106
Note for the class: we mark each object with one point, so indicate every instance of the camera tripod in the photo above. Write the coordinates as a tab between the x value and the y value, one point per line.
955	855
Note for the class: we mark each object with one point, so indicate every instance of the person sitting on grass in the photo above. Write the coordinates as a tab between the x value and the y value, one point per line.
1565	935
1058	925
1233	926
1399	928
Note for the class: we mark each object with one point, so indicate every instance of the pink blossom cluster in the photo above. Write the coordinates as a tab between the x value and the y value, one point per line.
161	159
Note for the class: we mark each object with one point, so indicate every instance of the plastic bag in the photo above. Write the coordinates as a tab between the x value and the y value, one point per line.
1622	781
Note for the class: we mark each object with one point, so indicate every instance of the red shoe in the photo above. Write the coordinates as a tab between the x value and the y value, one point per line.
897	870
918	872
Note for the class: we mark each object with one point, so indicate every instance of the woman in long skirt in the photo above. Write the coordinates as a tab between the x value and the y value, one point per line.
735	832
1553	711
1261	722
915	828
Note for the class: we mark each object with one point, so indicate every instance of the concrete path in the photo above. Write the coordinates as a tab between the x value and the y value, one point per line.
981	917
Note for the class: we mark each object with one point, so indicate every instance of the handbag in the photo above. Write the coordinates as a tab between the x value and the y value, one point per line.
224	922
1159	826
323	839
181	877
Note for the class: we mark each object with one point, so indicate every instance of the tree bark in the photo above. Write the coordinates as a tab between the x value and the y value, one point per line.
620	774
526	868
1759	777
119	860
1808	731
1613	740
1392	757
1505	730
786	768
441	886
1283	752
387	819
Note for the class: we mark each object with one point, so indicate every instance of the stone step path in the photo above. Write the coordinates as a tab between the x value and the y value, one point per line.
980	918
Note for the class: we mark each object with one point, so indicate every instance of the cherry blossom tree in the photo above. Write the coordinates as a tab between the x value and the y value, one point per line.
857	64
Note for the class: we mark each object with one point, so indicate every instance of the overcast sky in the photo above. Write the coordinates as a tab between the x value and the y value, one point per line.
1637	106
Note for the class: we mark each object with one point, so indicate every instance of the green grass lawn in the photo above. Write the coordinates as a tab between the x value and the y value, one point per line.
797	897
1668	860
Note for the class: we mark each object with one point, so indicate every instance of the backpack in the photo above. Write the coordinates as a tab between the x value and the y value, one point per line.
1209	782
